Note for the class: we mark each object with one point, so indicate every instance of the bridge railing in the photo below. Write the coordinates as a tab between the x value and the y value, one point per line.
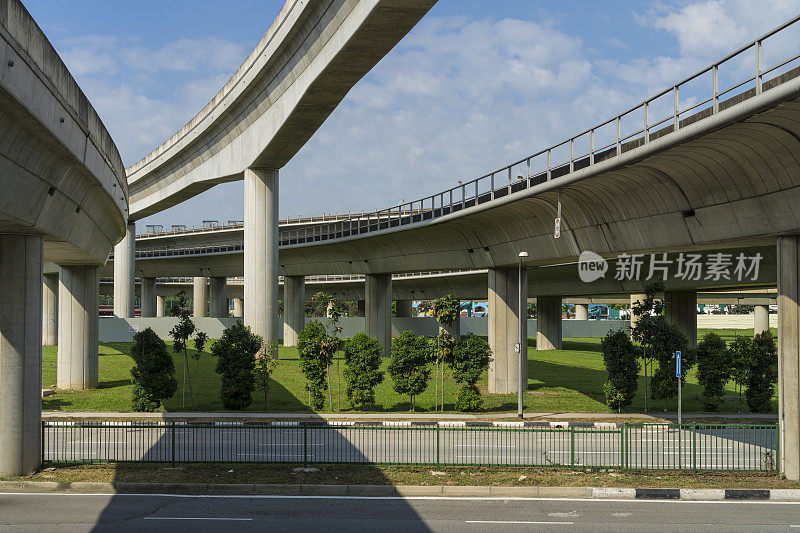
724	447
695	98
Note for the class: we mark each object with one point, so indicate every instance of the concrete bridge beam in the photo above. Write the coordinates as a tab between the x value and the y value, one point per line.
681	309
261	252
50	309
148	297
124	272
504	330
294	311
200	296
379	309
20	353
219	297
78	336
548	322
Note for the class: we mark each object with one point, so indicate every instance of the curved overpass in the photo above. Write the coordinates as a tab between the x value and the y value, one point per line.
63	198
309	58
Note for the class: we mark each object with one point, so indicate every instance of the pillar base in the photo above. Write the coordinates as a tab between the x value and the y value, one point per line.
78	337
504	330
548	323
294	308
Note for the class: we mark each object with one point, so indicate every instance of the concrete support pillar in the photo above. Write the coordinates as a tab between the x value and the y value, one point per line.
504	330
635	299
200	297
124	272
362	308
219	297
379	309
681	309
20	353
50	309
789	355
403	308
78	336
294	308
261	252
548	323
760	319
159	306
148	297
581	311
238	307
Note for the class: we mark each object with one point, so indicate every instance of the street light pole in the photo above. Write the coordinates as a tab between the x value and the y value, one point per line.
522	313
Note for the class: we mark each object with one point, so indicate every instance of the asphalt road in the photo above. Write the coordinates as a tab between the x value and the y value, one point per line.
68	513
648	447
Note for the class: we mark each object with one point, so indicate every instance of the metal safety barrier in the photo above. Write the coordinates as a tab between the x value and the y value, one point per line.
720	447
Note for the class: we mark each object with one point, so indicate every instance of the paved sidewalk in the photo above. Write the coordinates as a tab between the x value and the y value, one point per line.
600	417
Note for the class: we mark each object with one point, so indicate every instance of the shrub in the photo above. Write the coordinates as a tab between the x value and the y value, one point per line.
469	399
235	352
153	373
713	369
362	360
409	366
763	373
622	364
471	357
316	348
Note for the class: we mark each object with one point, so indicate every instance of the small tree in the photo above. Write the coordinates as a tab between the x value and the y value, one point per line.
713	369
362	360
763	373
741	354
200	341
409	365
471	357
446	310
180	336
316	348
266	363
622	365
647	311
235	352
153	373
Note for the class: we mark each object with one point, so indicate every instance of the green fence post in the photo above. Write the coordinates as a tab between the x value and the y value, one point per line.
623	439
172	438
41	458
694	447
572	444
437	444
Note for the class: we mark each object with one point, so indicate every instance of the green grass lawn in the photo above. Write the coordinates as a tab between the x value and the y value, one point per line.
558	381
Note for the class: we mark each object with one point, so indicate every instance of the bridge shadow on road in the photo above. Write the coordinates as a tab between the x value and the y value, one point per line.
222	457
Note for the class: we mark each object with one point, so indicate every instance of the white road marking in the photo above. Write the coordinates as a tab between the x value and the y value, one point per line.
515	522
194	518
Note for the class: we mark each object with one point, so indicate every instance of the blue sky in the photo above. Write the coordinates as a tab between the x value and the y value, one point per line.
477	84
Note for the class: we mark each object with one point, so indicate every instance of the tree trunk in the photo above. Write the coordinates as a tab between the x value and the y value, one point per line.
646	378
183	390
338	387
330	392
189	377
436	387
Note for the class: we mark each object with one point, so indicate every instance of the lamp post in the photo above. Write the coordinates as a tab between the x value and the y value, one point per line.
522	313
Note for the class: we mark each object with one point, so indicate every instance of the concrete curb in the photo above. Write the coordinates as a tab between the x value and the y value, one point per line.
463	491
336	423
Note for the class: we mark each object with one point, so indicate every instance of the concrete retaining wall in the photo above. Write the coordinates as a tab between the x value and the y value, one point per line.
732	321
113	329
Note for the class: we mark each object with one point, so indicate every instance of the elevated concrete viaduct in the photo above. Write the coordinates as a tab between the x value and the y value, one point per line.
718	174
308	60
63	200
